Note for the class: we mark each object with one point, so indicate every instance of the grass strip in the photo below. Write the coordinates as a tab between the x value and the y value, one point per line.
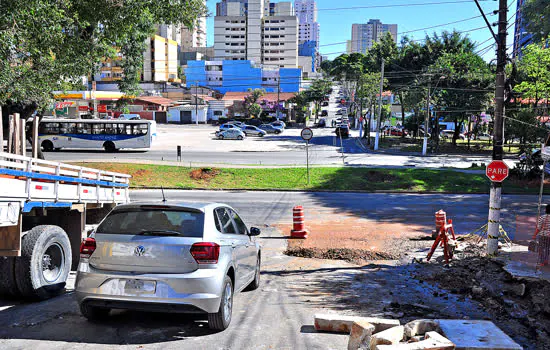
322	179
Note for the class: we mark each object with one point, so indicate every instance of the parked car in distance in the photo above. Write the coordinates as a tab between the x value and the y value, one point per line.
339	112
342	130
270	129
484	137
322	123
448	134
237	123
231	134
324	113
279	124
324	103
168	257
129	117
252	130
228	126
396	132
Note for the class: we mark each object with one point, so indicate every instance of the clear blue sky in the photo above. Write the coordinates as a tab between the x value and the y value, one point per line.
336	24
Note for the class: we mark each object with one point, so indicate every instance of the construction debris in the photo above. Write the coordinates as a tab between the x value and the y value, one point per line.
425	334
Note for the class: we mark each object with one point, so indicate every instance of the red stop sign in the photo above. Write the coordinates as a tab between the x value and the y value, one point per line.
497	171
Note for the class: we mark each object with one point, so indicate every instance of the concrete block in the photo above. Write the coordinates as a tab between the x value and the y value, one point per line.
420	327
360	335
388	337
476	335
335	323
342	324
438	338
426	344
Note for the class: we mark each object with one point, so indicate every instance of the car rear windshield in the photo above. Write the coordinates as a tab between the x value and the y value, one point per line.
137	221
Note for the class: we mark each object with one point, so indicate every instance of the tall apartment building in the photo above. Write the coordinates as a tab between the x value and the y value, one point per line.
363	36
160	60
256	30
308	36
192	38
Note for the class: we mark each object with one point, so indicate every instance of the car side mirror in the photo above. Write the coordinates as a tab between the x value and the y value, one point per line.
254	231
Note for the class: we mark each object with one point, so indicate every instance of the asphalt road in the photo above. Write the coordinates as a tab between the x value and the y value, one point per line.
277	316
468	211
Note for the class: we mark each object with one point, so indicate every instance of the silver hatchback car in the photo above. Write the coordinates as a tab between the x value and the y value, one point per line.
167	257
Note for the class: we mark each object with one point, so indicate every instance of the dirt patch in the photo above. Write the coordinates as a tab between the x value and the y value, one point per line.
204	173
355	239
520	308
376	176
350	255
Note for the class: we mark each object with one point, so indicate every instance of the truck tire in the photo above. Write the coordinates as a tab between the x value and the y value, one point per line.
42	270
8	285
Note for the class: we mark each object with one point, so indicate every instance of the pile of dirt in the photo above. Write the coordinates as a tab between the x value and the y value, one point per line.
204	173
519	307
351	255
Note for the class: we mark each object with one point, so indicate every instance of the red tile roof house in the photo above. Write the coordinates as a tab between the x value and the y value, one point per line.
268	101
147	106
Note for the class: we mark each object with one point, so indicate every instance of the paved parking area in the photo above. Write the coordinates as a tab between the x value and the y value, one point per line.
202	138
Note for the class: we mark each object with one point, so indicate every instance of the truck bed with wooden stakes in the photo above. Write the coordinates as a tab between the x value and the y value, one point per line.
44	207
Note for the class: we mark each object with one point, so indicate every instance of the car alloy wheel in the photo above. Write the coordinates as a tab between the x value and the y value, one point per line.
227	302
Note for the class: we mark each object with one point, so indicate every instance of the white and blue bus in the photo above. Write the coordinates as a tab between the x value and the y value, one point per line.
110	135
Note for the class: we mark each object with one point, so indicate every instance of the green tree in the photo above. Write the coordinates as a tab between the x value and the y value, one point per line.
317	92
301	102
467	87
368	88
537	15
255	110
48	45
534	72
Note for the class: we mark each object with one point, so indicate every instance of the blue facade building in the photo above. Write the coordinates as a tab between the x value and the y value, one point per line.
239	76
309	49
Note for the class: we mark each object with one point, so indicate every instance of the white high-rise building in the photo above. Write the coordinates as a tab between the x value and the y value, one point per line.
306	11
363	36
256	30
193	37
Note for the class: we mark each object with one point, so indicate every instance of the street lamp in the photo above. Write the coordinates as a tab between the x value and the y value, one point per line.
427	120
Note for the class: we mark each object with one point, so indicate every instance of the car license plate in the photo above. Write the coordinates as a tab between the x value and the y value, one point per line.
139	286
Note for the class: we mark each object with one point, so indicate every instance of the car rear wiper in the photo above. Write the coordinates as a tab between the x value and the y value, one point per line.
159	233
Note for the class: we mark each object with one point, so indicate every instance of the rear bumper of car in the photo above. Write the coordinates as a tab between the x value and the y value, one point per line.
197	291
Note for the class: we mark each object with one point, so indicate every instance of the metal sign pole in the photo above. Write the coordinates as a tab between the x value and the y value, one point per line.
307	160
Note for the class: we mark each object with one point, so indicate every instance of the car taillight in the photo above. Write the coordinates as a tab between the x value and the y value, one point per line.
87	247
205	252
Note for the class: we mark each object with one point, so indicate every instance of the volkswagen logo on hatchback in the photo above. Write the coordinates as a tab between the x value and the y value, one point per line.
139	250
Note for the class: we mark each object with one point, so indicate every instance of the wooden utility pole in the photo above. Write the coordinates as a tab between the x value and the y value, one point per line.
22	137
379	119
17	134
498	132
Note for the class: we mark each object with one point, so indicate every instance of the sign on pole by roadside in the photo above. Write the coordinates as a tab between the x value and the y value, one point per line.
497	171
307	134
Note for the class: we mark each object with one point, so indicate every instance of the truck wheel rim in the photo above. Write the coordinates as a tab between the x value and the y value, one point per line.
227	302
52	262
